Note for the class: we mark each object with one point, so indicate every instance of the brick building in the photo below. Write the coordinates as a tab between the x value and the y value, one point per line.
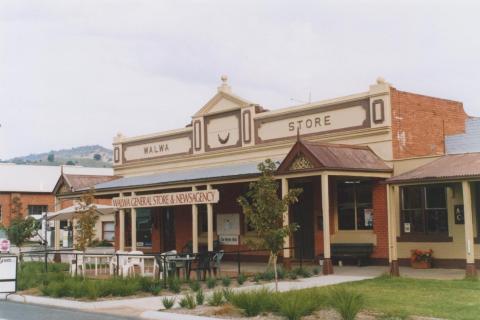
178	189
30	190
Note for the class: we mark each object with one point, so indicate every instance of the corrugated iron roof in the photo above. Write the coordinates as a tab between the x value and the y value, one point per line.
209	173
448	167
81	181
339	156
326	156
31	178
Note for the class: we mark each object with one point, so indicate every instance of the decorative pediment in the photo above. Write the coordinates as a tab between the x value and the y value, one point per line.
223	101
301	163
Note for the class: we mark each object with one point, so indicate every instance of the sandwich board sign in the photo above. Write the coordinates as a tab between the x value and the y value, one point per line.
8	273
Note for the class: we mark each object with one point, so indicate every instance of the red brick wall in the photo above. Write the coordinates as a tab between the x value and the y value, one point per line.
380	220
419	123
26	200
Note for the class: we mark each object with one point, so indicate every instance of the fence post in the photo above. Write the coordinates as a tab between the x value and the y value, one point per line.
238	261
76	264
117	269
165	270
46	261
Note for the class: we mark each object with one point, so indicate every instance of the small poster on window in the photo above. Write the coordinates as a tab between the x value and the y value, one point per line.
459	214
368	216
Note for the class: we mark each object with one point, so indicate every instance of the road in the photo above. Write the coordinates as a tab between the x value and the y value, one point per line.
21	311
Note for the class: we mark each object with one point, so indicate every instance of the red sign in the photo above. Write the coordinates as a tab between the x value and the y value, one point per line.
4	245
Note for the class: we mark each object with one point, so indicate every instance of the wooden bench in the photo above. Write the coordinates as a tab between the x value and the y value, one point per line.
359	251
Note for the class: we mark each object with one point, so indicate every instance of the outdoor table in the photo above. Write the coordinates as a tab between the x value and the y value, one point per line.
187	260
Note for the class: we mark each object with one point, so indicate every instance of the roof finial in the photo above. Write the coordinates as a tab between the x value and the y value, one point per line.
298	134
224	85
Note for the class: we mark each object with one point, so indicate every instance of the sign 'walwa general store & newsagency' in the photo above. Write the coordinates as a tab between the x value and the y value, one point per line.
167	199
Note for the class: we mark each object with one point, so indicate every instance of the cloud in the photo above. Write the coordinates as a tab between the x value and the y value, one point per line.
77	72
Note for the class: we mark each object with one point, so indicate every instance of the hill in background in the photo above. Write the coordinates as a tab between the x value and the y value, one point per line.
88	156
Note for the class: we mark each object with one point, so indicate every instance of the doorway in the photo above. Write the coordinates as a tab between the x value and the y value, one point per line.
302	215
167	229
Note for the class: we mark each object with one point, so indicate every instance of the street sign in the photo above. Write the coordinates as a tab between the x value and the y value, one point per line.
4	246
8	274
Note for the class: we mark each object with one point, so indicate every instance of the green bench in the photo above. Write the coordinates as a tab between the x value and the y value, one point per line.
359	251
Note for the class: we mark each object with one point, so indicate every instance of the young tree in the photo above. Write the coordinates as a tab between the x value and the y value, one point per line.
264	211
86	217
20	229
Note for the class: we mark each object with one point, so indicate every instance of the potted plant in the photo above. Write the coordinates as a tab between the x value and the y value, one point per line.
421	259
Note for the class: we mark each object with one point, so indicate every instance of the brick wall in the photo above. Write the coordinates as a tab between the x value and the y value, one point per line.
420	123
380	218
26	200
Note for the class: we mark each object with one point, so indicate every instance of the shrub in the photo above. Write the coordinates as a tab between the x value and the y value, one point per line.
316	271
257	277
302	272
168	302
227	294
241	278
174	284
195	286
226	281
211	282
216	298
188	301
293	275
268	275
252	303
295	304
347	303
281	273
200	297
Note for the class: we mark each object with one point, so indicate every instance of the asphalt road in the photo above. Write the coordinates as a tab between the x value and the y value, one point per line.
22	311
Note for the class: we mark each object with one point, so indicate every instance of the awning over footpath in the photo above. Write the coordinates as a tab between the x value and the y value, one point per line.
183	176
70	212
322	156
445	168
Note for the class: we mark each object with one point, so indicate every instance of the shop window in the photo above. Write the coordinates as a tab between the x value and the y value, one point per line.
354	200
424	211
37	209
144	228
108	231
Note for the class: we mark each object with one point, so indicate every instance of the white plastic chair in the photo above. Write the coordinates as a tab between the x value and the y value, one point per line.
122	260
129	267
77	268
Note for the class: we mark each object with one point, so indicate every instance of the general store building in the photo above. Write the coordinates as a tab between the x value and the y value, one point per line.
341	152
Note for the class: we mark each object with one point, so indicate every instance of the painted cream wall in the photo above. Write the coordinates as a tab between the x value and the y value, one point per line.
378	137
404	165
98	225
445	250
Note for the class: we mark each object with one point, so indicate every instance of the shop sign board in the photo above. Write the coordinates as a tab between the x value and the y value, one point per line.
8	274
168	199
4	246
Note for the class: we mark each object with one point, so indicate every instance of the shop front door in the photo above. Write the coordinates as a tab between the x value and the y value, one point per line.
302	215
167	229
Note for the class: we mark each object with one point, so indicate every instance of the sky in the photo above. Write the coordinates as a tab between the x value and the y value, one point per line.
74	73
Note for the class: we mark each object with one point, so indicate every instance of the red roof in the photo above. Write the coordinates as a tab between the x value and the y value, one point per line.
328	156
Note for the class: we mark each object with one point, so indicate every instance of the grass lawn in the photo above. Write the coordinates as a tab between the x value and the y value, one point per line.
449	299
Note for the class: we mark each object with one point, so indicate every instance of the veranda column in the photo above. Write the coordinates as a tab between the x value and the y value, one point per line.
133	214
286	222
468	216
121	224
327	261
392	197
194	225
210	222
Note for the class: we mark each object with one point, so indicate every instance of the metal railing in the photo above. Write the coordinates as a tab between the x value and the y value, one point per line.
164	264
